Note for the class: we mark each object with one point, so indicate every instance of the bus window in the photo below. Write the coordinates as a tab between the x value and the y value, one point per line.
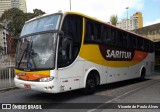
70	42
93	31
113	36
122	38
140	45
134	42
151	47
90	35
97	30
146	45
109	35
106	35
129	41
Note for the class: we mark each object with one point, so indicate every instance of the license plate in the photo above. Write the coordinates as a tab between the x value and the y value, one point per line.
27	86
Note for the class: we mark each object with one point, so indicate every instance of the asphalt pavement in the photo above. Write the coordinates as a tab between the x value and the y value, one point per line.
145	98
115	97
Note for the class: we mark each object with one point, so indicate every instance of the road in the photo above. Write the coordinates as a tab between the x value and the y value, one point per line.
131	91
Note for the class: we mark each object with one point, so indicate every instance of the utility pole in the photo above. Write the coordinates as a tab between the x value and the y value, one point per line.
70	4
127	16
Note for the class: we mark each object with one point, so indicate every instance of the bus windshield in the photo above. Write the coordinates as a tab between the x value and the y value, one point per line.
47	23
36	52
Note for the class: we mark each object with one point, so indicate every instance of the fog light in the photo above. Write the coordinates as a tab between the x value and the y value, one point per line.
47	79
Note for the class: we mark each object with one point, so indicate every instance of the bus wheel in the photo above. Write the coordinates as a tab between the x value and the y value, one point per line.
90	85
143	74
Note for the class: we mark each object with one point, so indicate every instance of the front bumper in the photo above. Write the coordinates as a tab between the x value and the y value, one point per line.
48	87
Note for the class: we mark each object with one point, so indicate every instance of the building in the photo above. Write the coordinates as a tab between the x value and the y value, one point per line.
7	43
135	22
22	5
4	5
7	4
151	32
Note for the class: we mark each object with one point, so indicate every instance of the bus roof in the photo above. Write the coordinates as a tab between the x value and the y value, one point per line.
93	18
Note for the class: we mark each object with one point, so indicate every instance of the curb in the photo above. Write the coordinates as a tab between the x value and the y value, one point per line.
7	89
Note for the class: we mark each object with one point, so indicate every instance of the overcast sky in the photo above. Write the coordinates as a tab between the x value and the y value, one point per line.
102	9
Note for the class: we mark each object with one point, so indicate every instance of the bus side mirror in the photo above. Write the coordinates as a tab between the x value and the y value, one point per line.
61	33
67	48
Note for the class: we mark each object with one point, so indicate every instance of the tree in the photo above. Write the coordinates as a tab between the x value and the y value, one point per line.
1	48
38	12
14	20
1	26
114	19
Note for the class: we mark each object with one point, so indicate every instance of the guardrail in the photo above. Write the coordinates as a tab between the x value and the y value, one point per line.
6	78
7	71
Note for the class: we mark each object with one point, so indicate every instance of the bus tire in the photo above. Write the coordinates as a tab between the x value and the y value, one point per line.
90	85
143	74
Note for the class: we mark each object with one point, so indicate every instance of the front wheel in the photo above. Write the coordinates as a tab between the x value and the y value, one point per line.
143	74
90	86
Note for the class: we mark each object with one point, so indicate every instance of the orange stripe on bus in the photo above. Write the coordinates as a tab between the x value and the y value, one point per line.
139	56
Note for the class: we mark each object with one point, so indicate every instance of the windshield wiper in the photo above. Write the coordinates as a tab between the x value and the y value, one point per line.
31	55
22	51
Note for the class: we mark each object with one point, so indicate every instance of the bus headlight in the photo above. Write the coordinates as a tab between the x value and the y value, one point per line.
47	79
16	76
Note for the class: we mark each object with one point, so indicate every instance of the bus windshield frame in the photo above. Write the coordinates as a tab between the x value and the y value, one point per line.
37	52
46	23
31	54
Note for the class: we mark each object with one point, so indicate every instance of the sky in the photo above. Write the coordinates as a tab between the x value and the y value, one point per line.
102	9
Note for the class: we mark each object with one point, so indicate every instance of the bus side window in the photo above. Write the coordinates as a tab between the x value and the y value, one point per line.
106	35
134	41
114	36
97	30
146	45
140	44
120	38
129	41
93	32
124	36
151	47
89	36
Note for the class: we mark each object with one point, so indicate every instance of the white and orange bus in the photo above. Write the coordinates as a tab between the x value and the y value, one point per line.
68	50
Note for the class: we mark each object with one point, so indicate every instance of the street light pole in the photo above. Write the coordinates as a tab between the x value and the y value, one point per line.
127	16
70	4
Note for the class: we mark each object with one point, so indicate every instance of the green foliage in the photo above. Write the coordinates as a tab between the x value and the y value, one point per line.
114	19
15	19
1	26
37	12
1	49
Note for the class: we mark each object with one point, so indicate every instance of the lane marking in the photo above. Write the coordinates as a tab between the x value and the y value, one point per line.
118	97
